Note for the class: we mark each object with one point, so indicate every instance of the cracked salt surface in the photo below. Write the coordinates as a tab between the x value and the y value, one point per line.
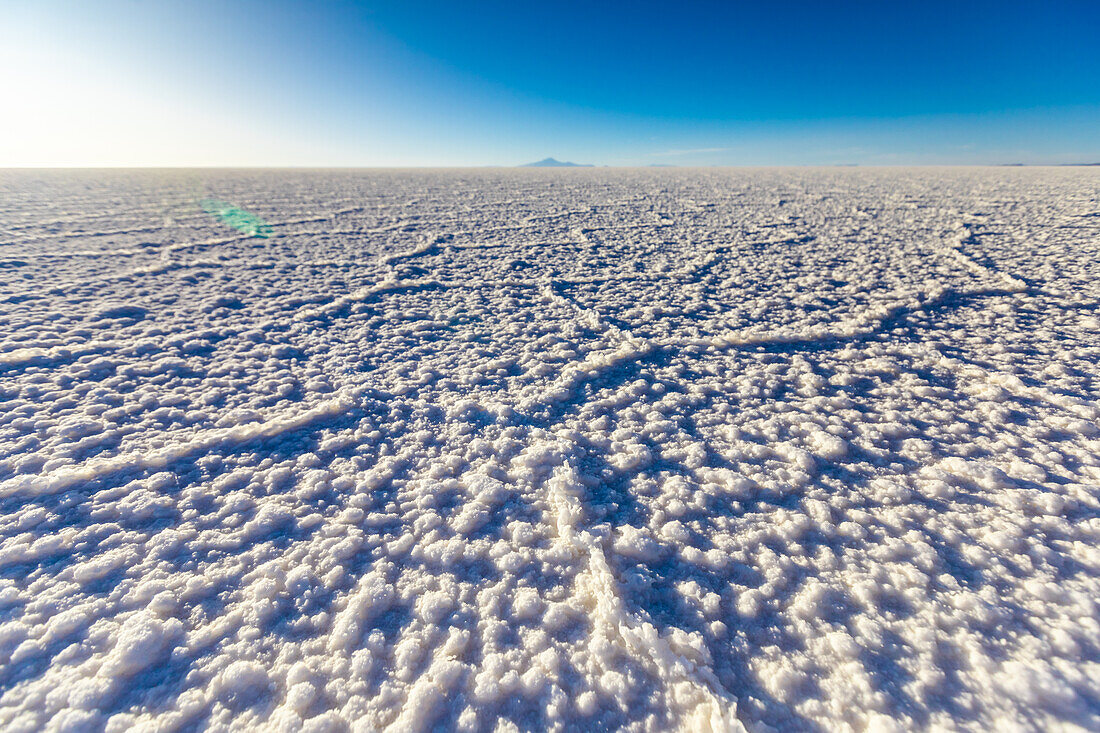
489	450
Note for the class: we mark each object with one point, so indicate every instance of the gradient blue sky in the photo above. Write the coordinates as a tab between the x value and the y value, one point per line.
128	82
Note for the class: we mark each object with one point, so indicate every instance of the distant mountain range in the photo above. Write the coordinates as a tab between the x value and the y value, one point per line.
1019	165
552	163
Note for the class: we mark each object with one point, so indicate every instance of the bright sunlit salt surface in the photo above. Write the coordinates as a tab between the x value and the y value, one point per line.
580	449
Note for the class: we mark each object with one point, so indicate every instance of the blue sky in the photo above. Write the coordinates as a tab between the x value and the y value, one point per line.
128	82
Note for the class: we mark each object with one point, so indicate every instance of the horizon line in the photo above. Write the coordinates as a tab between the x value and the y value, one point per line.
529	167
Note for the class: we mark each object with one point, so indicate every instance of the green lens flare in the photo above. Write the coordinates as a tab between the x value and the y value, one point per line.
241	220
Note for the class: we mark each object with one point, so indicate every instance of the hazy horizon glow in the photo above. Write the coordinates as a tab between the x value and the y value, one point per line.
418	84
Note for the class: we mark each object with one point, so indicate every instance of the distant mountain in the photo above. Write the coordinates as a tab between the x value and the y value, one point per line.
551	163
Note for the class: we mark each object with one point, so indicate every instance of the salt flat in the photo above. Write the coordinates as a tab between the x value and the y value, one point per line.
550	449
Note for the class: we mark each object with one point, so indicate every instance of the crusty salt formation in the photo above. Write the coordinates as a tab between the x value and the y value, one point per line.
499	450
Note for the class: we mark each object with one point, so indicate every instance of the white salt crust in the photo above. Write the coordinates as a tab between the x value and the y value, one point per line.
525	450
